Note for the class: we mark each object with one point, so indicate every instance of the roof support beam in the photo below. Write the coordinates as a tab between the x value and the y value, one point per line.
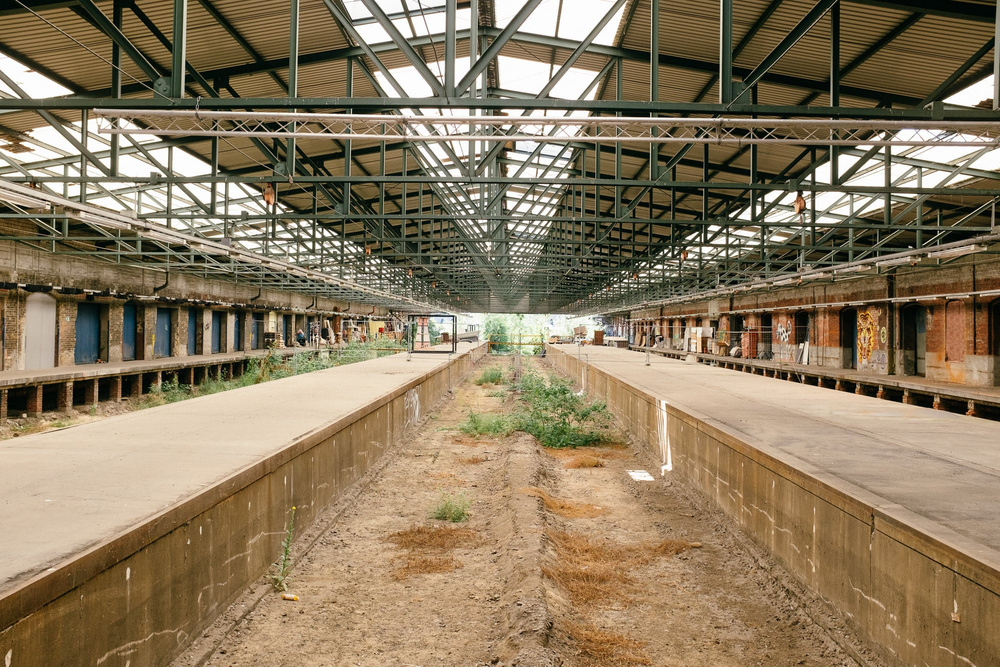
493	50
404	45
790	40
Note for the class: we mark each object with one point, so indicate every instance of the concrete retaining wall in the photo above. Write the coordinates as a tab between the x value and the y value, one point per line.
916	599
142	596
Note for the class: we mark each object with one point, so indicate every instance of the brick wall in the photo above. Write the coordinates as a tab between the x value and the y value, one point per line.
65	332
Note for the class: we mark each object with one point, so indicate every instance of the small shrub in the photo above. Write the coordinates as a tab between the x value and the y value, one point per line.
452	507
490	376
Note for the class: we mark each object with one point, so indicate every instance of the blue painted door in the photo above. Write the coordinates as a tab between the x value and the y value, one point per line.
217	316
88	333
289	333
164	333
128	331
238	330
192	331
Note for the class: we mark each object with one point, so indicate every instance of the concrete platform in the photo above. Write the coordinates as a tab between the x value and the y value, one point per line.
125	538
940	466
67	489
887	511
955	397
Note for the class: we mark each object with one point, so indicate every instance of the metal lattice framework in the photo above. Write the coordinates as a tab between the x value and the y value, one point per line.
656	153
590	130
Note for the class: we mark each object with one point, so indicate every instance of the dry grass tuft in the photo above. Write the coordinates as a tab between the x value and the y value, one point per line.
584	461
598	648
426	549
473	460
569	509
593	573
423	564
433	538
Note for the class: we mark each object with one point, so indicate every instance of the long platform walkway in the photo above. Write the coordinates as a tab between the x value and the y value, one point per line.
63	491
952	396
941	470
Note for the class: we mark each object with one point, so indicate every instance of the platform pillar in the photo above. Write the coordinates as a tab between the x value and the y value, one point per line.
115	389
65	400
881	392
907	399
937	403
971	412
34	401
3	405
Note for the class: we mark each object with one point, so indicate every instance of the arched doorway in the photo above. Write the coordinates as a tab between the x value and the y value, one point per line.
914	325
849	337
40	331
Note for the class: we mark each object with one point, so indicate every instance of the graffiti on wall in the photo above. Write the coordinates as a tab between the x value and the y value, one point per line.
783	331
872	336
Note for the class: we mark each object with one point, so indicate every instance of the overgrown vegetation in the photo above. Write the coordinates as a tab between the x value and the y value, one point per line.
558	417
271	366
452	507
548	409
492	375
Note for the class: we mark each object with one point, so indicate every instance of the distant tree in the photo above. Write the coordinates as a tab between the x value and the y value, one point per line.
496	326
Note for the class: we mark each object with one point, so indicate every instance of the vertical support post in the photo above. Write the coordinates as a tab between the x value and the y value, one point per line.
726	52
116	81
654	79
920	210
347	153
65	396
996	61
34	401
887	167
618	145
473	54
293	77
178	49
834	84
449	46
115	392
84	119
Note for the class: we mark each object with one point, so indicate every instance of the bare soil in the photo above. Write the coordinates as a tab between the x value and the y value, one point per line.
564	560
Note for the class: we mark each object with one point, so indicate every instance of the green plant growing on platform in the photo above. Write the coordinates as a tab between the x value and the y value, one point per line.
452	507
284	564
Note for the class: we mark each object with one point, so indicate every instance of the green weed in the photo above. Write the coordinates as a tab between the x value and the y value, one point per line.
487	423
284	564
492	375
451	507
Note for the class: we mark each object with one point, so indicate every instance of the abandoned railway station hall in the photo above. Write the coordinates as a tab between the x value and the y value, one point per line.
518	333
